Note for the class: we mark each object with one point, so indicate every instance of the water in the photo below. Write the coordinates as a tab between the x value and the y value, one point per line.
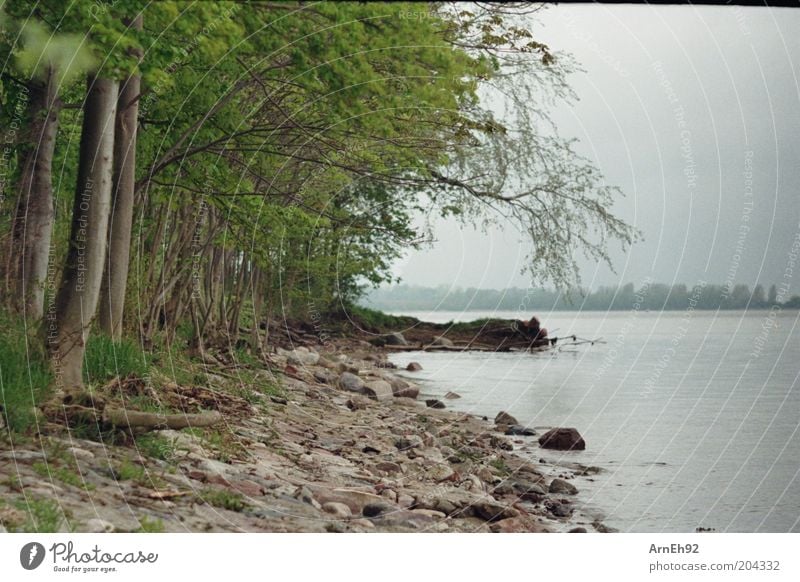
692	415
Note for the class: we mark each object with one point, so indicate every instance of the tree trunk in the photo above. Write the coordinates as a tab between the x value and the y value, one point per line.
36	213
78	295
115	281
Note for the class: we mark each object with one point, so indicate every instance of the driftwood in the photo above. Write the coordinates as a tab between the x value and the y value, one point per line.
152	421
122	418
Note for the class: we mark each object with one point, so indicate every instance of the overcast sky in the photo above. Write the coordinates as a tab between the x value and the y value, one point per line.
733	72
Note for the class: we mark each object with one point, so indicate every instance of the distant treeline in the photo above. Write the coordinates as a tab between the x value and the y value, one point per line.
655	296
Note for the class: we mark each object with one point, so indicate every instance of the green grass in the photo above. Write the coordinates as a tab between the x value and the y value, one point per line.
65	474
129	471
500	465
25	376
148	525
43	516
374	320
156	447
225	499
105	359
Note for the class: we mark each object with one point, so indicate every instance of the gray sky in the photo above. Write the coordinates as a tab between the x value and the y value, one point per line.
668	91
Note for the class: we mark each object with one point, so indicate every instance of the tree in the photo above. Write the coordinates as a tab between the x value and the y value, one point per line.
112	298
46	61
772	297
79	292
758	299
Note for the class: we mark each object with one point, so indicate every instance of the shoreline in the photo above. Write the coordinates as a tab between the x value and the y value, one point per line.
319	456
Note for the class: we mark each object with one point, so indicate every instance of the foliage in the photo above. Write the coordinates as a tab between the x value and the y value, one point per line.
43	516
155	446
24	375
150	525
105	359
286	151
223	498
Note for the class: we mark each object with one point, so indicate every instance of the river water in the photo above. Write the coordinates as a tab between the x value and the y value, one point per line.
692	415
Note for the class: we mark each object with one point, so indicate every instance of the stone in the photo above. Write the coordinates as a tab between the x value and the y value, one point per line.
519	430
490	509
324	376
560	486
577	530
81	454
559	509
405	500
377	508
352	498
414	367
300	356
357	402
336	509
378	390
562	439
248	488
433	403
499	442
388	467
528	490
97	525
350	382
401	388
442	341
430	513
365	523
505	418
409	442
395	339
303	494
519	524
452	396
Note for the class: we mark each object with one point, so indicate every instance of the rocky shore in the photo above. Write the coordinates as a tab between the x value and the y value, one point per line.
341	444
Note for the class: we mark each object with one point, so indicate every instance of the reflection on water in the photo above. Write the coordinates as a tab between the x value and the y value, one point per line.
695	426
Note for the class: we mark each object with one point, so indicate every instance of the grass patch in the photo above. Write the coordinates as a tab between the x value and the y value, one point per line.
224	444
156	447
43	516
129	471
377	321
225	499
148	525
500	465
66	474
105	359
25	376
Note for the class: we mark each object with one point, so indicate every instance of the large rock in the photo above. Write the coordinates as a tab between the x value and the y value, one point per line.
562	439
378	390
395	339
560	486
300	356
519	430
434	403
414	367
505	418
490	509
442	341
351	383
401	388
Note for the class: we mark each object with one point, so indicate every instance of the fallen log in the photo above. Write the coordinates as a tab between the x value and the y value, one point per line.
153	421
